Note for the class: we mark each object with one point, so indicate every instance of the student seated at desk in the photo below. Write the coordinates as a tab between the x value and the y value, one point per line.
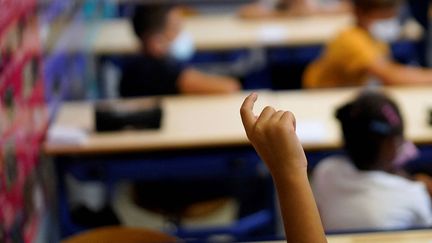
275	8
366	190
156	71
362	52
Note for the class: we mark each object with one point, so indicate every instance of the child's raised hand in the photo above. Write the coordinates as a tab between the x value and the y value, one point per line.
273	136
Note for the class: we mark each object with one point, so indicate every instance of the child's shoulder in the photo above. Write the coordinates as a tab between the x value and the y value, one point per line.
335	161
333	165
400	182
351	34
341	166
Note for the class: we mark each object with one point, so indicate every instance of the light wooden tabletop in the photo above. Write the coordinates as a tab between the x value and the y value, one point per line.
217	32
227	32
214	121
414	236
417	236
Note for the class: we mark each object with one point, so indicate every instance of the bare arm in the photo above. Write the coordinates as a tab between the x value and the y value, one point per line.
256	10
313	7
192	81
290	8
295	8
273	136
393	73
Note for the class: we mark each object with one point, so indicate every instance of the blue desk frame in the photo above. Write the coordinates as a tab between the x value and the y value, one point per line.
230	163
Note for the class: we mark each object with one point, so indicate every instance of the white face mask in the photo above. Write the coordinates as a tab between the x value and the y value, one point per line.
387	30
183	47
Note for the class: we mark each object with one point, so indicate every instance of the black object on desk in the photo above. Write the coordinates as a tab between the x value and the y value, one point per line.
430	116
134	114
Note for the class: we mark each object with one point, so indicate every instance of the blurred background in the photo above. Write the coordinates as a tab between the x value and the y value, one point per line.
58	51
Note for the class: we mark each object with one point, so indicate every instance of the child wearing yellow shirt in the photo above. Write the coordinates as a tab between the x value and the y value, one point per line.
362	52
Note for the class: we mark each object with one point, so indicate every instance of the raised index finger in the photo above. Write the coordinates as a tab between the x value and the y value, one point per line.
246	111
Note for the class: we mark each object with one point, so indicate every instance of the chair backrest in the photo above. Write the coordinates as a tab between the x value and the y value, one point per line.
121	234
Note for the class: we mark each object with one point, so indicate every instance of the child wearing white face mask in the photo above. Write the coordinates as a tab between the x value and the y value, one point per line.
164	46
362	52
364	190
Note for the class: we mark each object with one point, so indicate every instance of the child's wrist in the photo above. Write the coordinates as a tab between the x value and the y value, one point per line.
287	172
289	181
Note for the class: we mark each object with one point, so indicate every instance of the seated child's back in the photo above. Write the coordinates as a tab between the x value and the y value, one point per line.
363	190
143	76
350	199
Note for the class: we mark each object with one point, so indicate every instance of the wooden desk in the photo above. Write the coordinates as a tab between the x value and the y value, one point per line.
188	122
414	236
418	236
206	133
229	32
320	105
225	32
214	121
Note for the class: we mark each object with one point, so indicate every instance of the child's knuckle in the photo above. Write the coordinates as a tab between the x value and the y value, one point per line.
268	108
260	130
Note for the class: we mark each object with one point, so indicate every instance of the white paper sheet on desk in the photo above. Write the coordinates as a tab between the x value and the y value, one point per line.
272	34
311	131
63	135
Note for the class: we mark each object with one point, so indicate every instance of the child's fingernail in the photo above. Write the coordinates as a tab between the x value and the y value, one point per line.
254	95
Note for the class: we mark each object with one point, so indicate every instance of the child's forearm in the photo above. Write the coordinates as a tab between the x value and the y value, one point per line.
299	211
412	75
192	81
396	74
273	136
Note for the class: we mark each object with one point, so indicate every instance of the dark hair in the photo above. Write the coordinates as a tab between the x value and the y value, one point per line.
149	19
376	4
366	122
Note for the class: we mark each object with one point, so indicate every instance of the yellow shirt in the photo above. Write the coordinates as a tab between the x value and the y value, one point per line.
345	60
